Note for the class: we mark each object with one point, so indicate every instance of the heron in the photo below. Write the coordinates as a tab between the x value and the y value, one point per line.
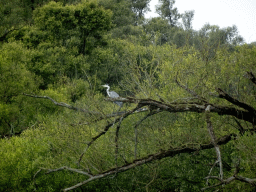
113	94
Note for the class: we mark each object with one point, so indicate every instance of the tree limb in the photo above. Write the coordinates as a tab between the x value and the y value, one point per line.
138	162
100	115
223	94
198	107
213	138
230	179
240	127
251	77
63	104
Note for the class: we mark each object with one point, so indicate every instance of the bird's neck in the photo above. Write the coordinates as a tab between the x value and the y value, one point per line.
108	91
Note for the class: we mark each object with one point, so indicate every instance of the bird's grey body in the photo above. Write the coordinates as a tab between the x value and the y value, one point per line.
113	94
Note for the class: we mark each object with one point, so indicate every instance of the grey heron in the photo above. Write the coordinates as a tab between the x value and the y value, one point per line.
113	94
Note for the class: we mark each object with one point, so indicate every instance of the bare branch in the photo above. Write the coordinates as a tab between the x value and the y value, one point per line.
237	168
188	90
230	179
152	157
198	107
223	94
207	181
69	169
103	132
160	98
240	127
246	180
213	138
221	183
100	116
34	177
251	77
63	104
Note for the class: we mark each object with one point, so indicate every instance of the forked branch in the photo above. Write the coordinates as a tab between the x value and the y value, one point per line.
213	138
230	179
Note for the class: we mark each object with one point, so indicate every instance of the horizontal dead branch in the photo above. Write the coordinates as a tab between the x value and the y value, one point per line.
198	107
63	104
101	116
138	162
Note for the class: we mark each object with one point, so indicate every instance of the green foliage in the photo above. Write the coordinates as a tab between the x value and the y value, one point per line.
85	20
20	159
140	7
52	63
63	34
61	137
13	16
15	79
187	18
73	47
167	11
122	12
210	38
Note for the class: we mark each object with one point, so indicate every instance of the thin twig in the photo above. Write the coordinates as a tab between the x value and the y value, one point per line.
215	163
69	169
136	131
116	140
188	90
104	132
